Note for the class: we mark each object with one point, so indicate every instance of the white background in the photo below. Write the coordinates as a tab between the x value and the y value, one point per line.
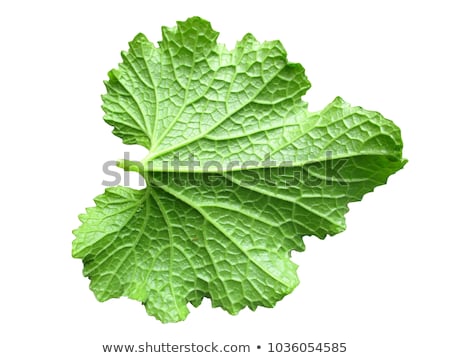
382	286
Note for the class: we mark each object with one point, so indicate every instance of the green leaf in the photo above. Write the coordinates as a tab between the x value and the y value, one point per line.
238	171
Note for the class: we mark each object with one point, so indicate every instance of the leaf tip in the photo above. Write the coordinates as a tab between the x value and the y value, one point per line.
139	38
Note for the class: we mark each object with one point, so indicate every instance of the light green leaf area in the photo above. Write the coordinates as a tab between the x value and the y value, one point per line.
267	173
